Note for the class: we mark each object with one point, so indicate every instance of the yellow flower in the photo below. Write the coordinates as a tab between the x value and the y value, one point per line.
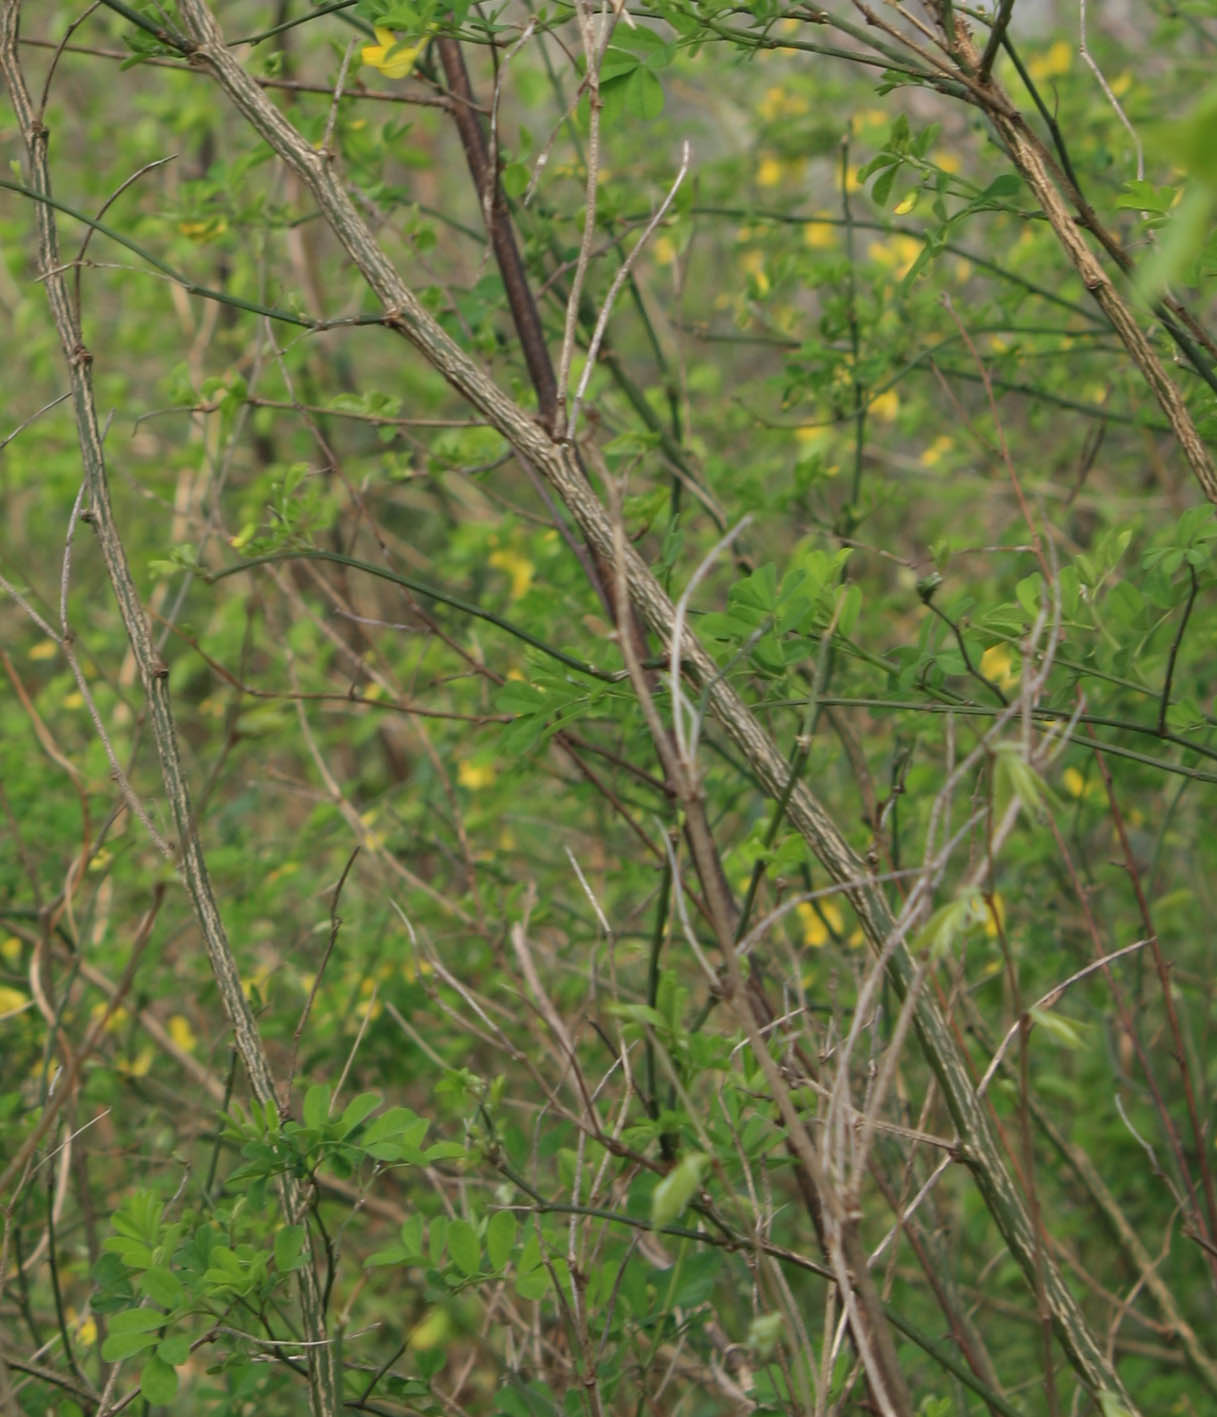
517	567
431	1331
139	1066
810	435
886	405
995	917
390	56
997	663
10	949
44	649
937	450
664	251
182	1034
1076	785
372	839
900	253
768	172
1052	64
411	969
815	931
11	1000
819	234
753	263
474	775
777	103
203	230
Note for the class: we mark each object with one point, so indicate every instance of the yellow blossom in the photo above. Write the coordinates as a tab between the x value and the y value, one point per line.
517	567
768	172
203	230
10	949
945	160
753	263
474	775
995	917
412	968
777	103
74	700
819	925
373	840
11	1000
139	1066
259	981
182	1034
819	234
390	56
431	1331
998	664
937	450
87	1332
886	405
1076	785
116	1019
899	252
664	251
1052	64
906	204
44	649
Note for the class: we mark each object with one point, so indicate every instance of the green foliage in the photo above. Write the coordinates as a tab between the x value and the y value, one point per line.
861	417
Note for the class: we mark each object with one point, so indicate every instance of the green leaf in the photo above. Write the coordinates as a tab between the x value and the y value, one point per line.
158	1382
949	922
1113	1406
464	1247
501	1230
356	1110
174	1349
142	1320
638	1013
677	1189
1067	1033
162	1286
316	1111
411	1236
764	1332
1015	777
289	1247
391	1254
131	1332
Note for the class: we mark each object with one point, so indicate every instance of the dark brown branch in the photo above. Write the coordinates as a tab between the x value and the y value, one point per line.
484	172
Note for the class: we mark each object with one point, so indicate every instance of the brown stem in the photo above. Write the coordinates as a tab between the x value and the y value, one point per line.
486	182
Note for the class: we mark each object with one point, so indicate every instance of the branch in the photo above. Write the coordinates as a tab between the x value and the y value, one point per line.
558	463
